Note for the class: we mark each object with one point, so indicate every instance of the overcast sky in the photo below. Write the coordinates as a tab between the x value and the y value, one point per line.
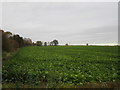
68	22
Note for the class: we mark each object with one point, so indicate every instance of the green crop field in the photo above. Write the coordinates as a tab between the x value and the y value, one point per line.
60	66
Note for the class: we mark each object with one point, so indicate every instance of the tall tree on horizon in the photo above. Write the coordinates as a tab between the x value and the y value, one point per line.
55	42
39	43
45	43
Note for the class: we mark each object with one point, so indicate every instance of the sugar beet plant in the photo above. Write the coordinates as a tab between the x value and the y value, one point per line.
60	65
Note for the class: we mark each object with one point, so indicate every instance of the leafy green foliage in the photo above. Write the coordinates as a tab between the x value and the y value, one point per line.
54	66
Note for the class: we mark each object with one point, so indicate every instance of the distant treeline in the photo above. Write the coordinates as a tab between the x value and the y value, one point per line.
11	42
52	43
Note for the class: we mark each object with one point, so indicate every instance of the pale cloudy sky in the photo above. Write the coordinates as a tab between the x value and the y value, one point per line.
68	22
